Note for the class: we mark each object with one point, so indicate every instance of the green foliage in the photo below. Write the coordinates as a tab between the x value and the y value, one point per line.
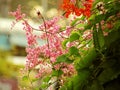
44	86
63	58
98	38
77	20
64	43
98	69
25	78
74	36
101	37
77	82
57	73
74	51
47	79
95	39
87	60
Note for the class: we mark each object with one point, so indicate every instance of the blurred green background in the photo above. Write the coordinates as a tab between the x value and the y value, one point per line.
13	42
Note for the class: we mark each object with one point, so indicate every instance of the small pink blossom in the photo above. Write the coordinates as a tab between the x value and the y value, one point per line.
87	34
32	57
17	14
73	1
31	38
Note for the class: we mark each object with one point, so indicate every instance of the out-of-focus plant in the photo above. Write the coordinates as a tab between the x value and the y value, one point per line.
5	65
83	55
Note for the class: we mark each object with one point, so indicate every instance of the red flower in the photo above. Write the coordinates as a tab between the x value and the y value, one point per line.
87	13
69	7
78	12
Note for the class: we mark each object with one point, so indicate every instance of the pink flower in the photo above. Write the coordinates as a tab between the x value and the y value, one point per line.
38	55
31	38
32	57
87	34
73	1
17	14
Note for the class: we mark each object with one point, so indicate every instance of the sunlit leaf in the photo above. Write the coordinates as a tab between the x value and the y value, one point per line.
76	20
74	36
44	85
64	43
46	79
57	72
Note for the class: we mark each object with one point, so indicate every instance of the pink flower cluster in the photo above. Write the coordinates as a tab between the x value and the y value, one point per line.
31	38
68	69
55	38
32	57
46	54
87	34
17	14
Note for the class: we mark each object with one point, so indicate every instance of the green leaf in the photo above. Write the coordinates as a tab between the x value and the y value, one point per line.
64	43
62	28
25	78
57	73
34	80
74	51
117	25
106	1
107	75
101	37
115	34
86	61
80	25
111	71
74	22
88	26
46	79
64	87
63	58
95	38
74	36
99	18
44	85
76	82
77	19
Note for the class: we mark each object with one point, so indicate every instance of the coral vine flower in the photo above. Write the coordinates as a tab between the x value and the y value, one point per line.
38	55
69	7
17	14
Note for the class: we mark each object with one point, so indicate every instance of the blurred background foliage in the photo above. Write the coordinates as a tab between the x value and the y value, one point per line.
30	7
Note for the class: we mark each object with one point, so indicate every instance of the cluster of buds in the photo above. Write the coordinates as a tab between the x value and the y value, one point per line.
100	7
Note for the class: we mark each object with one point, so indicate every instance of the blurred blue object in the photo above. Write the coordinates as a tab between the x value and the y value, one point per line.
4	42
